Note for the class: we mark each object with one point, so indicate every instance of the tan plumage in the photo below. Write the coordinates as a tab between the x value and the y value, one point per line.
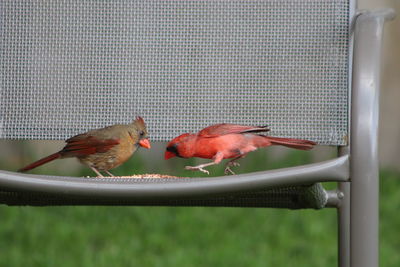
102	149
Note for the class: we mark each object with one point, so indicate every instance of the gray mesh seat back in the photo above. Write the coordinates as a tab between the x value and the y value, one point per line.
67	67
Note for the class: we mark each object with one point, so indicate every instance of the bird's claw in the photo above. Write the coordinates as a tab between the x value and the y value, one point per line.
230	164
228	171
196	168
233	164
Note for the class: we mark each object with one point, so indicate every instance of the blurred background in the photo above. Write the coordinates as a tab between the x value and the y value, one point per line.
159	236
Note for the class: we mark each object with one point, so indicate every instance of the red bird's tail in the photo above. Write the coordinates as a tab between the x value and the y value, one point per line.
292	143
40	162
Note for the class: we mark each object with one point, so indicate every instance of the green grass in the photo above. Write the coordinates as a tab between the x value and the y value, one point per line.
165	236
104	236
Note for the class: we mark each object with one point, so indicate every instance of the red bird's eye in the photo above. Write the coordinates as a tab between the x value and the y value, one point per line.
173	149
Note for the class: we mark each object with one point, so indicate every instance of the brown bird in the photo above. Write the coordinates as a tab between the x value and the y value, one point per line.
102	149
227	141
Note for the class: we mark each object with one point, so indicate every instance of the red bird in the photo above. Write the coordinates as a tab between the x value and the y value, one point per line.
226	141
102	149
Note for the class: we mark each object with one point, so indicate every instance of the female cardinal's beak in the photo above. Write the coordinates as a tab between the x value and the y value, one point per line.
145	143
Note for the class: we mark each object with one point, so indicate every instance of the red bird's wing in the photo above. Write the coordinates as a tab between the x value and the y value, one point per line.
227	128
81	145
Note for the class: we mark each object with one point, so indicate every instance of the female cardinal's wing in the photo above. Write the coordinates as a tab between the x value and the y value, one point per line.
227	128
83	144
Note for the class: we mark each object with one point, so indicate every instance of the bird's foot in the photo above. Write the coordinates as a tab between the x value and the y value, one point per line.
197	168
233	164
109	173
228	170
228	166
99	175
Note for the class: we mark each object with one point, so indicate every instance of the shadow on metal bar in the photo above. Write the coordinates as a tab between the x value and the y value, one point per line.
291	197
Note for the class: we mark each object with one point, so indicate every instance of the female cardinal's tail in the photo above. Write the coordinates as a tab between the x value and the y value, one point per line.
292	143
40	162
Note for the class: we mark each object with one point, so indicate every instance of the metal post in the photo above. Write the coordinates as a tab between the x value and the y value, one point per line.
343	212
364	132
344	225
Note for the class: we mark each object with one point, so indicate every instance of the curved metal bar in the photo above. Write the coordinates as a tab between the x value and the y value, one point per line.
331	170
364	137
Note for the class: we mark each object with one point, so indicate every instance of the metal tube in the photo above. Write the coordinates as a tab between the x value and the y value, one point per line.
363	140
334	198
343	212
344	225
330	170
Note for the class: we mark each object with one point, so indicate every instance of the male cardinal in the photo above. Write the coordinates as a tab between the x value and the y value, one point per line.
226	141
102	149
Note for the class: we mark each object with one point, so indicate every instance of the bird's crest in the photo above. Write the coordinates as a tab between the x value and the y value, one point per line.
140	120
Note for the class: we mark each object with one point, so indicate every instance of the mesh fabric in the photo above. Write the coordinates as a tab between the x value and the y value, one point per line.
71	66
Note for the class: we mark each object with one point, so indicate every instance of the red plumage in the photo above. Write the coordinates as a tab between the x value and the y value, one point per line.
227	141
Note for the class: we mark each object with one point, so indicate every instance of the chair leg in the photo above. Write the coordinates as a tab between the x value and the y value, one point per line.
364	218
344	225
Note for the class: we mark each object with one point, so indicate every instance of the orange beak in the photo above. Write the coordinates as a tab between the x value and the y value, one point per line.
169	155
145	143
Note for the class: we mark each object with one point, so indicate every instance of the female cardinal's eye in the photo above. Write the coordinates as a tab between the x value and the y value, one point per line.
141	133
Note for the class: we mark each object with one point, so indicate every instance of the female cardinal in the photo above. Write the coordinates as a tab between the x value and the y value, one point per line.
102	149
225	141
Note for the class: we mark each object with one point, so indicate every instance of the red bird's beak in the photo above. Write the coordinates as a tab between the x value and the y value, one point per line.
169	155
145	143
